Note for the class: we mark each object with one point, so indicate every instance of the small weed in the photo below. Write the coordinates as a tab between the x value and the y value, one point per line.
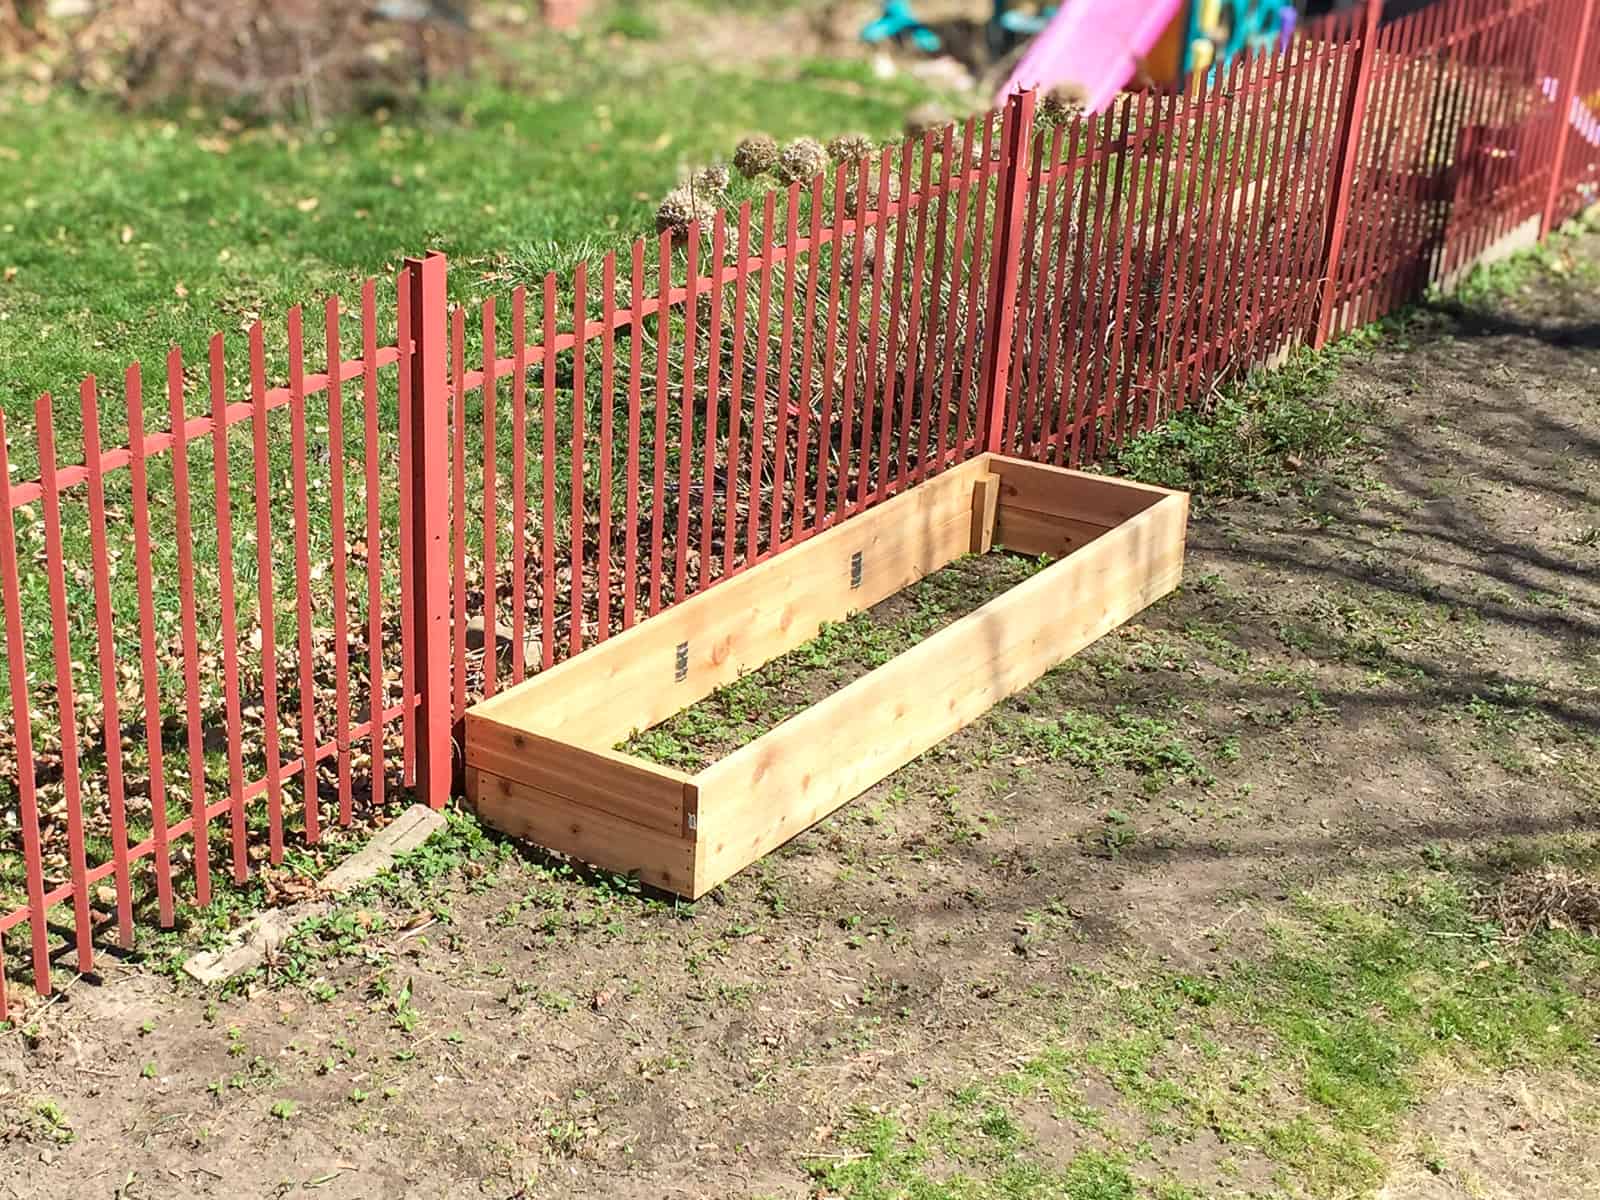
1126	740
555	1002
1255	438
42	1120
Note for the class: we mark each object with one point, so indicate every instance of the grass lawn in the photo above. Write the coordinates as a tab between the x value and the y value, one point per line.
121	235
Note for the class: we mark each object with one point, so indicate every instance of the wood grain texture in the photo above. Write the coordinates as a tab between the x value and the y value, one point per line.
1077	495
762	795
627	683
1025	531
602	780
985	499
662	860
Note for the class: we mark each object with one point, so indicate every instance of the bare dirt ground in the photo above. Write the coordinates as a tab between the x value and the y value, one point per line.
1138	932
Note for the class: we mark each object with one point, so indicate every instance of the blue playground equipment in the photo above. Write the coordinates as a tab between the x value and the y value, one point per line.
1006	26
899	21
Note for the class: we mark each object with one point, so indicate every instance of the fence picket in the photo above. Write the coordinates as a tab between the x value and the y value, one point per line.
686	402
491	509
658	518
376	690
519	486
266	619
22	722
608	383
758	416
708	453
66	705
227	602
580	324
786	360
106	651
407	337
199	824
302	576
341	563
630	550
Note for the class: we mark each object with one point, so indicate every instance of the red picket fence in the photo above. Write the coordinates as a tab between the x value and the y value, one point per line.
317	598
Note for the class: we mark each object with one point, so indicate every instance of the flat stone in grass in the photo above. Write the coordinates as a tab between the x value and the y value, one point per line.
259	936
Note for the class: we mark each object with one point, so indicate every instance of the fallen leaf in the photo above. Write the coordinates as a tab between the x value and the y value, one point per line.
11	273
180	291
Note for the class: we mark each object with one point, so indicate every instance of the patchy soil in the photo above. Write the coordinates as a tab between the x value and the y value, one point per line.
1201	913
844	651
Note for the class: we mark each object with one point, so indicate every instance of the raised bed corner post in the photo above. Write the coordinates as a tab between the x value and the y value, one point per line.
1011	200
430	525
1564	99
1349	145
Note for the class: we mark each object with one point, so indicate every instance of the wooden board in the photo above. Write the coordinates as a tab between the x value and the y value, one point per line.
631	682
763	794
602	780
661	860
1049	510
985	505
540	758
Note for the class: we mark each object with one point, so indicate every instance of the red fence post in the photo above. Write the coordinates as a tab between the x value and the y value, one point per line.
1010	203
1569	89
1350	127
430	524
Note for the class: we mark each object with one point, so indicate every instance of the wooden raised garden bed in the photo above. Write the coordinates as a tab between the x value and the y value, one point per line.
540	763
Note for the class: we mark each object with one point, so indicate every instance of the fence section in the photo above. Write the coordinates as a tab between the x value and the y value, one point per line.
1575	174
1455	157
263	612
718	394
1169	241
202	618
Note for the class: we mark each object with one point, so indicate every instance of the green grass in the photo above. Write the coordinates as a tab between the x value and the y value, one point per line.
1258	436
1305	1059
131	233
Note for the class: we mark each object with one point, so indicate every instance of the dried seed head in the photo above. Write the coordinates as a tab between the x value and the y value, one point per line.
848	147
711	181
756	155
802	159
681	208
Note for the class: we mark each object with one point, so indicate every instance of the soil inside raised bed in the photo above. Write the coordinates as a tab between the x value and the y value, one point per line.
740	712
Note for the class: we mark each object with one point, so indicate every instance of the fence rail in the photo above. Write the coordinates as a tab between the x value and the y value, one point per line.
328	571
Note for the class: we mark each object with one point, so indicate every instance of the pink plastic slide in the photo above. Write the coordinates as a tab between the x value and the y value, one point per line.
1092	44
